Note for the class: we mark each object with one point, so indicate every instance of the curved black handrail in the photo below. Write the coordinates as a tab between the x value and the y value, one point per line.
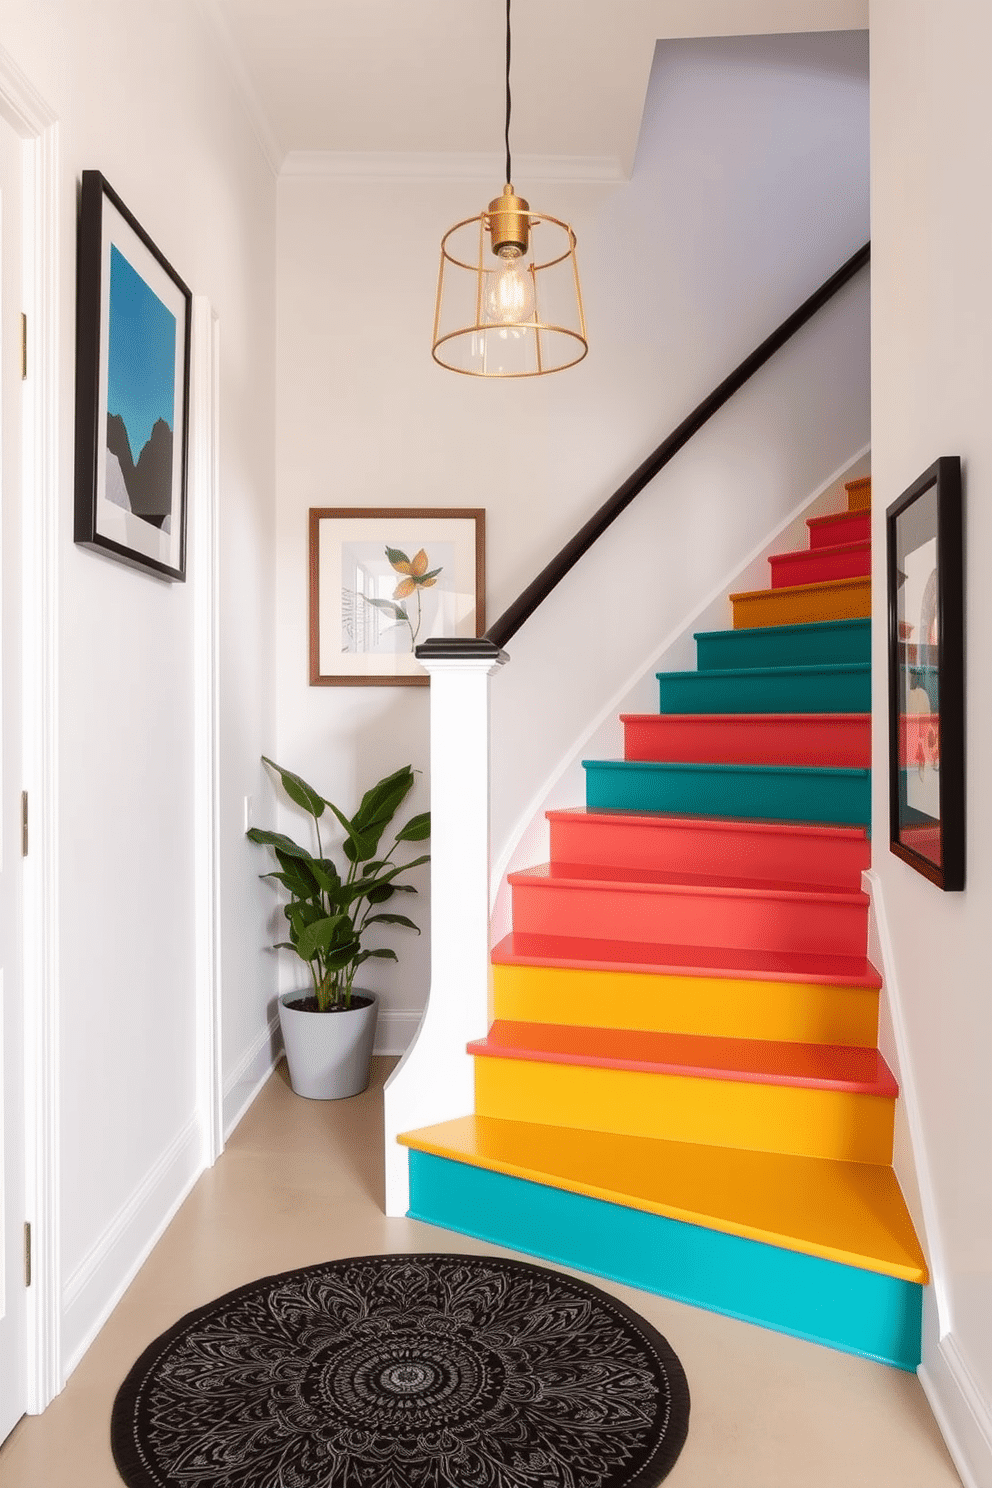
552	574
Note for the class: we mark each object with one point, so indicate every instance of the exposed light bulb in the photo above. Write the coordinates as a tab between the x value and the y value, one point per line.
509	295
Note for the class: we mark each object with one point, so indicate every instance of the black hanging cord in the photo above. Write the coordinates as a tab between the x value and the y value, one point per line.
507	131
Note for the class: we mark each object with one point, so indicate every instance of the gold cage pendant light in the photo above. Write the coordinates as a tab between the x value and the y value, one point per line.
509	302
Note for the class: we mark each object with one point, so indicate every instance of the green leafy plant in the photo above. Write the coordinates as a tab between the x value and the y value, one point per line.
331	908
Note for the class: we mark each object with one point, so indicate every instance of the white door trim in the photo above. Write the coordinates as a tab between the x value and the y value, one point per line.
204	457
38	127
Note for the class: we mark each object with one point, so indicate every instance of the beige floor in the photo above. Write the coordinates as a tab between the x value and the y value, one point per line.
301	1182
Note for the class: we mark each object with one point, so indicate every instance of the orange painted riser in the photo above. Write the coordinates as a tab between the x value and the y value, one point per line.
839	527
786	1012
552	900
841	599
859	494
818	565
584	954
786	851
841	740
686	1108
755	1061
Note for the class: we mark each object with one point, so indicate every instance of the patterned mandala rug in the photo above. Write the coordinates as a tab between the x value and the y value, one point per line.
405	1371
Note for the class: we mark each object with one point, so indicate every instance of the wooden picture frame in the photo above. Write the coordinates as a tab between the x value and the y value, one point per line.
383	579
133	322
925	583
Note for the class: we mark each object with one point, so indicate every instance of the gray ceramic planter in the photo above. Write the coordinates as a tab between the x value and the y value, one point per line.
329	1054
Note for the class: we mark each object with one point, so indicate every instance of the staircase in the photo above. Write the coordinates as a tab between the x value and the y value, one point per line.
681	1089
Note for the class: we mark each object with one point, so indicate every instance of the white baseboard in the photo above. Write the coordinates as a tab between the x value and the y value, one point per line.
241	1088
395	1029
100	1280
961	1413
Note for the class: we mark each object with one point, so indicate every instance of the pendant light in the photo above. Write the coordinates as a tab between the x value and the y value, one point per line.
508	297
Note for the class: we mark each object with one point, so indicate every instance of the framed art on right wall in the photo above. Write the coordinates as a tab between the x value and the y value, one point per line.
925	584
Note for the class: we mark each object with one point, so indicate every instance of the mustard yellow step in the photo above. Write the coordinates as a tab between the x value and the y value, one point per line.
859	494
803	604
793	1012
786	1118
852	1213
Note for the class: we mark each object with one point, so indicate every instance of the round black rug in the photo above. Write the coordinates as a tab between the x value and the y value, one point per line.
405	1371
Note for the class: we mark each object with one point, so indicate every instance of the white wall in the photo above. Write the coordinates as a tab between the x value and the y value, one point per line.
932	390
141	93
750	188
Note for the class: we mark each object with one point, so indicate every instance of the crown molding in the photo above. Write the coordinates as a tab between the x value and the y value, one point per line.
333	165
238	69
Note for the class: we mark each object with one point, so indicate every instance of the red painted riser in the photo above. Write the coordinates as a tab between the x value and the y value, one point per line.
838	528
820	565
546	902
830	857
755	1061
829	739
569	952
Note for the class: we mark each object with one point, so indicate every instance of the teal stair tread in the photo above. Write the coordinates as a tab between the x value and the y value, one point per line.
736	674
728	720
681	767
821	627
853	1070
634	879
580	954
663	820
845	1211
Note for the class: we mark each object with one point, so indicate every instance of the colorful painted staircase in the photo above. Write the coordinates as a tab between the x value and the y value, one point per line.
681	1089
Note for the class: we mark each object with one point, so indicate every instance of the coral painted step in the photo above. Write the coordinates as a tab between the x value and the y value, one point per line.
797	689
759	792
810	1066
585	954
786	1012
473	1188
840	599
826	856
636	904
828	642
842	739
817	565
839	527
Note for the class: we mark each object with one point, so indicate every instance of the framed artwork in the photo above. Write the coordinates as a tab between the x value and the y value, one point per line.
384	579
133	317
926	675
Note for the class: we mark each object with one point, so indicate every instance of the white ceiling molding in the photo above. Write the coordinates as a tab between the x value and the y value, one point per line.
331	165
232	55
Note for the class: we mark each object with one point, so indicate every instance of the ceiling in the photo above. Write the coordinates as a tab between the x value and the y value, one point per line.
405	84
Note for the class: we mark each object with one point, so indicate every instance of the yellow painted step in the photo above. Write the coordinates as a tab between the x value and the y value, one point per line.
731	1113
848	1212
803	604
791	1012
859	494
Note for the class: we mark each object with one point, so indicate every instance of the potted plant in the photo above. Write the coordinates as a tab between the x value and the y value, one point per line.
328	1028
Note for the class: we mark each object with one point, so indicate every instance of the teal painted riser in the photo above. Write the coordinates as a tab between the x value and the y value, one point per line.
859	1312
801	689
776	792
829	641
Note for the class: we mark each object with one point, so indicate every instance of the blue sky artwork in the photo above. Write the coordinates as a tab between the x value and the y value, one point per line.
141	352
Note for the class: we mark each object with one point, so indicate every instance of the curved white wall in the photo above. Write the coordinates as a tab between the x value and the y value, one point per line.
750	188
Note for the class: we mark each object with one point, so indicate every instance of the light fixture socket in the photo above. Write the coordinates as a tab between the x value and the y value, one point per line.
509	223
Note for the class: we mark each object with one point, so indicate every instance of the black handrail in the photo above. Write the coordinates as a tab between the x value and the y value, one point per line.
538	590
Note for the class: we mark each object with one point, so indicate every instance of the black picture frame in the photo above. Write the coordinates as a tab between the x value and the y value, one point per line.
925	591
133	325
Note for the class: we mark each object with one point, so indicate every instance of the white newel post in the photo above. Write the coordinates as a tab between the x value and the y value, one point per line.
434	1080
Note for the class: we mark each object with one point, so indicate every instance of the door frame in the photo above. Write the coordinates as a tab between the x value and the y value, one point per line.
37	126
